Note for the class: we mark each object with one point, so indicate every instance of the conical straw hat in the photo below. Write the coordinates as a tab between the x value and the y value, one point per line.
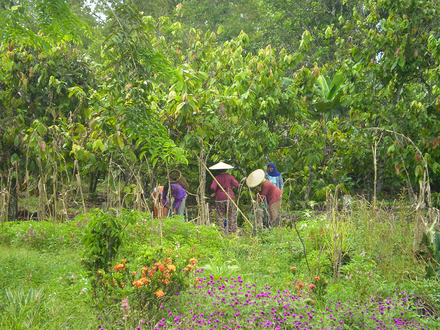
255	178
221	166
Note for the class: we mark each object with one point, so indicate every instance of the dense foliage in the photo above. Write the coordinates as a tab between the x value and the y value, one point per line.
364	76
99	100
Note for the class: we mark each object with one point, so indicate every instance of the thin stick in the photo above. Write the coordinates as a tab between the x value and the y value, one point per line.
304	247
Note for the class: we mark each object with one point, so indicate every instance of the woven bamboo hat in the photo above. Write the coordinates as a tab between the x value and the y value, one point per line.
221	166
255	178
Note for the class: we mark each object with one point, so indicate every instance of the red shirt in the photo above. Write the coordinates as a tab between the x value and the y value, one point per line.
272	192
226	181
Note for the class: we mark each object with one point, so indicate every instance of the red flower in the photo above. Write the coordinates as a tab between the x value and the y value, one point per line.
311	286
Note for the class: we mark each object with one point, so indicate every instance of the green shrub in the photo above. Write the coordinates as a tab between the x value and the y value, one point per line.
103	235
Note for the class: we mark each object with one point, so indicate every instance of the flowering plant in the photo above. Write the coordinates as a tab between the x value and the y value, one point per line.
147	287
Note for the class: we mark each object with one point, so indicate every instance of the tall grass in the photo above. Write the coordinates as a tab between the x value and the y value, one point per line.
43	290
387	236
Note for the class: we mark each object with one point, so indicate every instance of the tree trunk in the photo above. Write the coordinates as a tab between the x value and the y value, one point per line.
94	176
13	201
309	185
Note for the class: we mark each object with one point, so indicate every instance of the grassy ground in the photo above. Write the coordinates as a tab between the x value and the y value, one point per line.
43	290
44	284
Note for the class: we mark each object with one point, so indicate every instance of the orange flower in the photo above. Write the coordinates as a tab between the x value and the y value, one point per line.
193	261
159	293
165	281
144	269
143	280
137	283
169	261
196	281
311	286
151	273
119	267
161	268
190	267
316	278
171	268
293	268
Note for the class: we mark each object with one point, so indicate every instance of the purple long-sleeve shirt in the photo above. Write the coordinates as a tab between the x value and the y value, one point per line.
178	194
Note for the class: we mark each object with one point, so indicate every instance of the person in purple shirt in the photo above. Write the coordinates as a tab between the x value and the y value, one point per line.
178	198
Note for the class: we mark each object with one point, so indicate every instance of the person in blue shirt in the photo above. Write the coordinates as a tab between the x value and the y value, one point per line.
274	176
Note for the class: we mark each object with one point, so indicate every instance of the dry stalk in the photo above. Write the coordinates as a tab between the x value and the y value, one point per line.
336	242
3	205
423	223
140	201
375	176
202	158
78	179
110	174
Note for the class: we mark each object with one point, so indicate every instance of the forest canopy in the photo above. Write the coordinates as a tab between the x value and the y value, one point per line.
336	93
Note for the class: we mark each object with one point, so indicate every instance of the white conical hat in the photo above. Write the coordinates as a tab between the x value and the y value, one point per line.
255	178
221	166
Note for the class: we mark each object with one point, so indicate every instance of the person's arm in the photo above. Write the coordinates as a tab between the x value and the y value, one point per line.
177	203
263	192
214	186
234	183
164	197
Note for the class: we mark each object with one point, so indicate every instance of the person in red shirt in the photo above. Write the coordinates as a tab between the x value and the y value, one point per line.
268	191
226	214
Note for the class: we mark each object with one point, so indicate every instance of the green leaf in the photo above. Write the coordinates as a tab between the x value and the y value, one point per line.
98	144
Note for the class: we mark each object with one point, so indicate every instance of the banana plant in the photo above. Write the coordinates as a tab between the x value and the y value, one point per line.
328	94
